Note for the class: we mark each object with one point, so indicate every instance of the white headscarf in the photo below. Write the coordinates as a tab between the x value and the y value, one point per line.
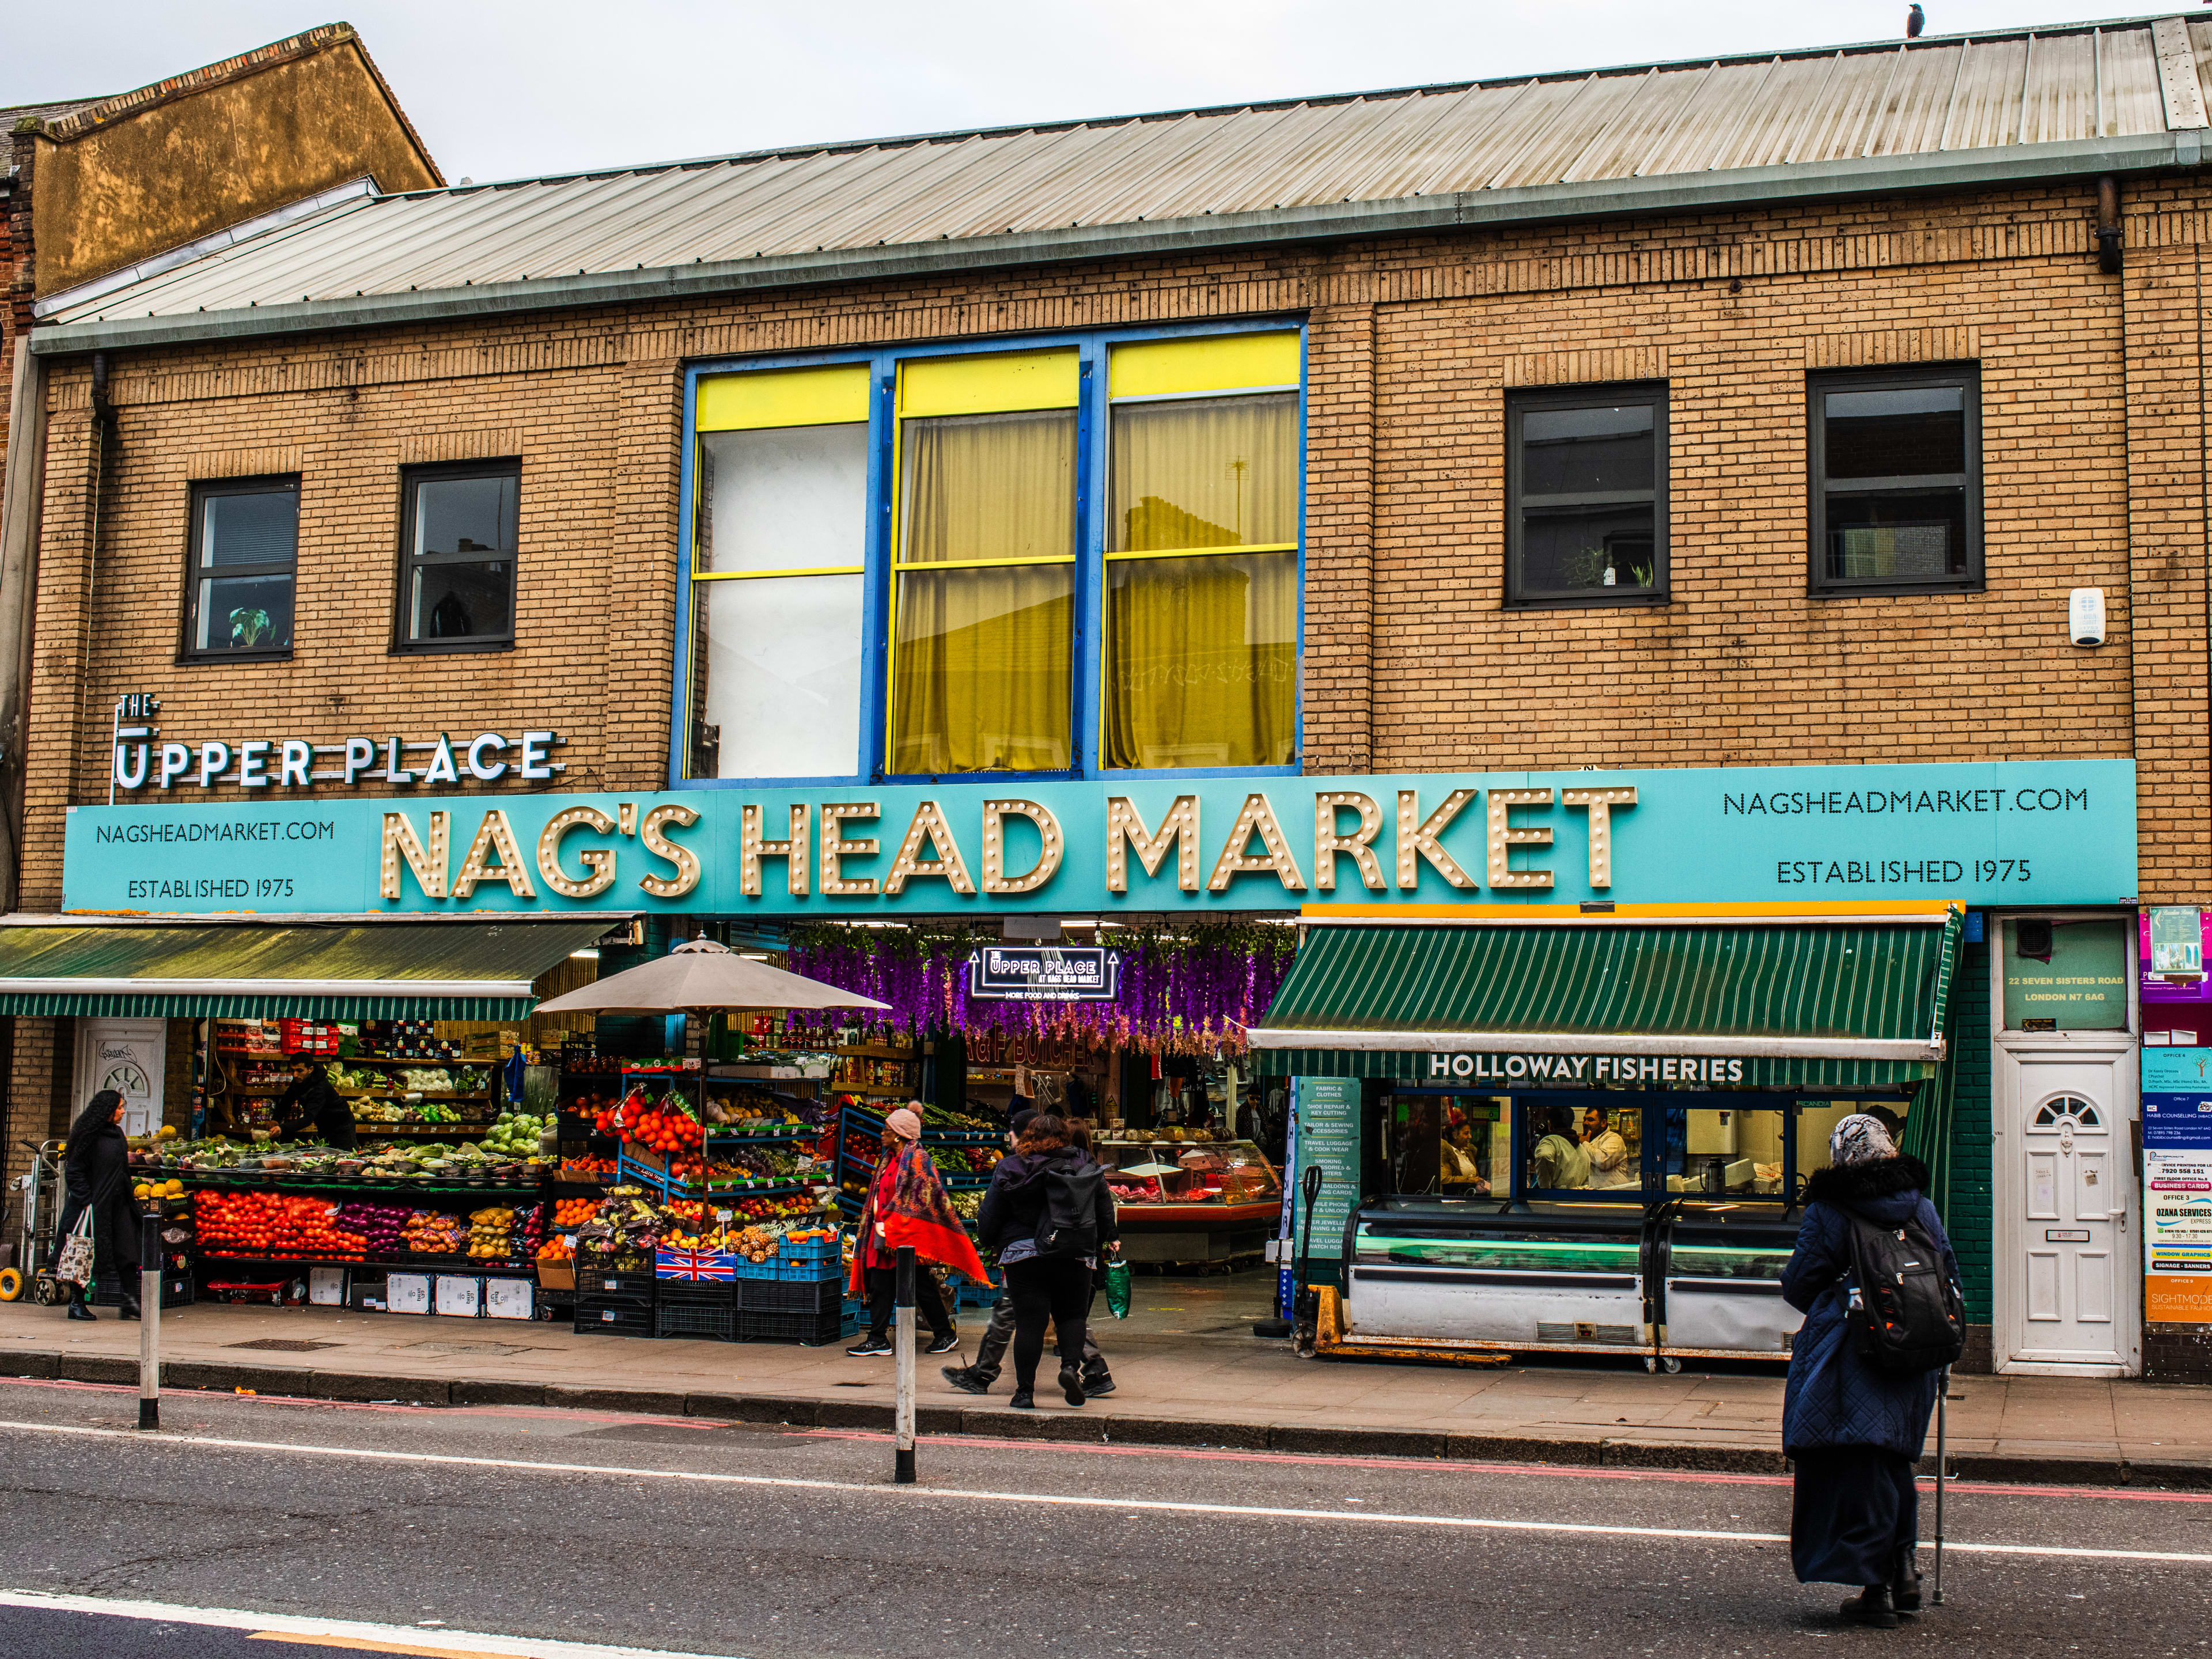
1859	1138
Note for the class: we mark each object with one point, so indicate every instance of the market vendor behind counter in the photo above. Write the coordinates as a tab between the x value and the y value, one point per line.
313	1109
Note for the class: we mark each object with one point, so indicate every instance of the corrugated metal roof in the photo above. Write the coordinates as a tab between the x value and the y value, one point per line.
1929	113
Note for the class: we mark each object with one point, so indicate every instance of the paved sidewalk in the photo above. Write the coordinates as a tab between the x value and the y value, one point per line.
1189	1372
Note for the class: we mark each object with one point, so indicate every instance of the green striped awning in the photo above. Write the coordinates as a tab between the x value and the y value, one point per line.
353	970
1821	1005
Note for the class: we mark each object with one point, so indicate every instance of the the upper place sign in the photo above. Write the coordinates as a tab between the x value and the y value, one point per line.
2011	833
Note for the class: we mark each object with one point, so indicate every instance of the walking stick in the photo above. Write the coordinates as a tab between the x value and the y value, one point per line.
1942	1393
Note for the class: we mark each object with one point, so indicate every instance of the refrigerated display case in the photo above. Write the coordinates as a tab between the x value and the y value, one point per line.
1191	1201
1720	1290
1444	1273
1438	1276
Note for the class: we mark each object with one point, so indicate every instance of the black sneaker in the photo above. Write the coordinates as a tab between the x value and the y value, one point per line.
965	1380
1071	1384
1100	1384
1023	1400
945	1344
869	1347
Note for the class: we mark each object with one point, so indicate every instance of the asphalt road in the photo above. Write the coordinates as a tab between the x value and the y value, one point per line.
676	1535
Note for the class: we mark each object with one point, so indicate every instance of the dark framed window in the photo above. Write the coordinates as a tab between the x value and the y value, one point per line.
240	569
1586	495
1896	475
456	554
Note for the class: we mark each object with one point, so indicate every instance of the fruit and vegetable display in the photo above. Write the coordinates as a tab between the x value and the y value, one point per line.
658	1124
273	1226
587	1169
575	1212
633	1222
435	1233
503	1233
382	1227
965	1160
515	1135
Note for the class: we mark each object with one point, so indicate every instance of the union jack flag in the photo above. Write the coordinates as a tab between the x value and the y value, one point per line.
710	1267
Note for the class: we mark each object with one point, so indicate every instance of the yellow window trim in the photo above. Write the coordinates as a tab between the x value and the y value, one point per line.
998	384
1129	398
756	575
1202	552
979	564
1214	362
754	400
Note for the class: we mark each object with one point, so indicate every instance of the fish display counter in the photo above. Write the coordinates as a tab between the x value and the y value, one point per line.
1436	1277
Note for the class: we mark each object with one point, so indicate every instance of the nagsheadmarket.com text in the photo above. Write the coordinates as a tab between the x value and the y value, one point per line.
1897	872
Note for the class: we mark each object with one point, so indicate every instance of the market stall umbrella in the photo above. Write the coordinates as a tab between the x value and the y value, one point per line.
701	976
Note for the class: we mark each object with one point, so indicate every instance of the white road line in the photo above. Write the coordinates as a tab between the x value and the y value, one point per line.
1053	1500
414	1639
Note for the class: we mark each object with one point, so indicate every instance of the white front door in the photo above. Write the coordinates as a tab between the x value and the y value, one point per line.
2067	1284
126	1056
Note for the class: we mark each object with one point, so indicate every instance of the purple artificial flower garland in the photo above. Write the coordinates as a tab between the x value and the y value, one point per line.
1185	992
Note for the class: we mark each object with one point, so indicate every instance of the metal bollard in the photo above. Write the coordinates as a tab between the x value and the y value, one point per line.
149	1320
902	1344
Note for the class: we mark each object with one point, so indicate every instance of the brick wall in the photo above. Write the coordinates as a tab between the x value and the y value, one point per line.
1410	661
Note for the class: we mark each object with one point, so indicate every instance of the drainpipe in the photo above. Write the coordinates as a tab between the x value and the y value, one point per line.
2108	225
20	503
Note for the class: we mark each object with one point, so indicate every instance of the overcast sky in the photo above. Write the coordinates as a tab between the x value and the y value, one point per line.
500	89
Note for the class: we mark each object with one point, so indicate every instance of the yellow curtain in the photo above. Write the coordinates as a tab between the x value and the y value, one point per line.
984	667
1205	472
989	486
1201	660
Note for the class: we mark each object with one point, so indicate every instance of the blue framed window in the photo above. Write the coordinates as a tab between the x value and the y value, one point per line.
1046	557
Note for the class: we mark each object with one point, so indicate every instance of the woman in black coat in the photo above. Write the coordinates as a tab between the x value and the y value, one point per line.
1855	1432
1054	1287
96	1176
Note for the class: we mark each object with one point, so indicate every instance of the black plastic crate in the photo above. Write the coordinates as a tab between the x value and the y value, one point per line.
177	1290
786	1296
635	1285
813	1330
596	1315
696	1320
696	1293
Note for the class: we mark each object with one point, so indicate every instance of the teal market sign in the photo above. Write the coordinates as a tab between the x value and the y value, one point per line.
1784	838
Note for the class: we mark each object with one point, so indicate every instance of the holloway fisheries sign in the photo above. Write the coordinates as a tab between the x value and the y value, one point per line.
2027	833
1583	1068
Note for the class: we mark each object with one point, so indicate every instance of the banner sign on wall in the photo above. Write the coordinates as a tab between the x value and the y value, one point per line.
2177	1107
1327	1110
2025	833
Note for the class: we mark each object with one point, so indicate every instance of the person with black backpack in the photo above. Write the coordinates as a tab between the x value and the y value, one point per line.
1876	1279
1049	1215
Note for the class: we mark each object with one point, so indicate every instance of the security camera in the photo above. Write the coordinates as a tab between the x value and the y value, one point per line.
2085	615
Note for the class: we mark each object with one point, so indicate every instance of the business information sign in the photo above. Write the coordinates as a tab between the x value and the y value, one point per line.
1783	838
2176	1131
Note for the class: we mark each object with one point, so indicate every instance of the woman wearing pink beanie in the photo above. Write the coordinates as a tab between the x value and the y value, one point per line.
908	1204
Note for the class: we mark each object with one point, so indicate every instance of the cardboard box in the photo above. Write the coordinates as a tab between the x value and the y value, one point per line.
459	1296
407	1293
556	1275
509	1298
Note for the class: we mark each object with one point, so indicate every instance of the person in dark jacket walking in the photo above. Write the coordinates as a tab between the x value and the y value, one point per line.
998	1335
312	1107
96	1176
1855	1432
1046	1285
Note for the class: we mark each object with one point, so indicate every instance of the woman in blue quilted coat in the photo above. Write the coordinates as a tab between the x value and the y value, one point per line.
1855	1433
